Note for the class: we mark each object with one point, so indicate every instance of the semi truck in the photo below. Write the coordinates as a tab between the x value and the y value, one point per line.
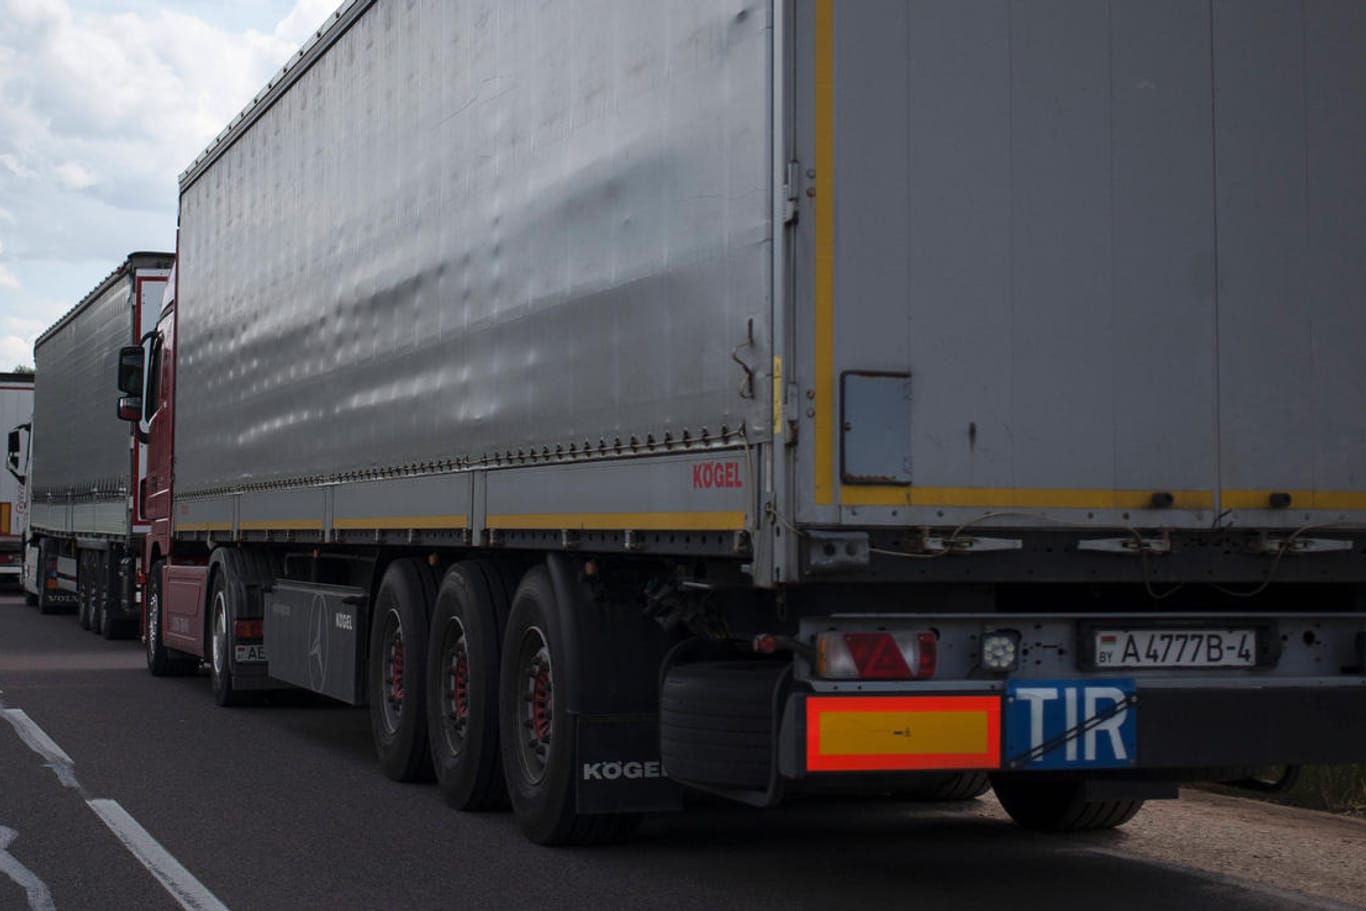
748	397
16	408
84	463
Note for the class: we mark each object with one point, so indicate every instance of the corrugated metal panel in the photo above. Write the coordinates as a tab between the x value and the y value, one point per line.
1115	244
476	228
80	447
1291	112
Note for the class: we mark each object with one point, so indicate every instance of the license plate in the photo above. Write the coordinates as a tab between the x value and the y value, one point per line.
249	653
1137	648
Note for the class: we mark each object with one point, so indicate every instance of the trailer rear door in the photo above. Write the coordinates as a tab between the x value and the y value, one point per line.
1096	262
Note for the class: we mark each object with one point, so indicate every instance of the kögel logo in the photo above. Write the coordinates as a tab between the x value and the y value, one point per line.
707	475
614	771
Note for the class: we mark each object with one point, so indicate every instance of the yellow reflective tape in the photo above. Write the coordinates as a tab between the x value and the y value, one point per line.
1019	498
902	733
621	521
823	438
777	397
1299	499
402	522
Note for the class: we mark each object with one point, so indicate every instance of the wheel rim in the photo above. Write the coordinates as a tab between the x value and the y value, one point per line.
391	672
535	704
220	633
455	687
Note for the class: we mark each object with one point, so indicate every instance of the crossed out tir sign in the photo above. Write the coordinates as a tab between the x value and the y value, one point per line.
1070	724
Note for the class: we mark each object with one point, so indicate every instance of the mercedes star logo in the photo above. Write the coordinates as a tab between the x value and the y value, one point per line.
317	643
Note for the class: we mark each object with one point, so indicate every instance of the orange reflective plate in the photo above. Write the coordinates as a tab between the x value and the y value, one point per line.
902	733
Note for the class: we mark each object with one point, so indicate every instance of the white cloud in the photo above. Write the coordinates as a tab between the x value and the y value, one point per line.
305	19
15	352
102	104
73	176
16	167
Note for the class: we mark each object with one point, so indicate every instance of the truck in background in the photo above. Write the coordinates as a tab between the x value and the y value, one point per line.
16	408
85	529
766	395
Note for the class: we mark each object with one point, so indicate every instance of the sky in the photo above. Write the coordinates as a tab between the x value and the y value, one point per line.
103	103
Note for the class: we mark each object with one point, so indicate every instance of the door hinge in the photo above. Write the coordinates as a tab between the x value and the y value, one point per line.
790	181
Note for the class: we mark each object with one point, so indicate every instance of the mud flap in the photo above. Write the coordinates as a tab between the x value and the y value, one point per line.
618	769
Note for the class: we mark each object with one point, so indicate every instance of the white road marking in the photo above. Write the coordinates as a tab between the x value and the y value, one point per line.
39	898
191	894
178	881
38	741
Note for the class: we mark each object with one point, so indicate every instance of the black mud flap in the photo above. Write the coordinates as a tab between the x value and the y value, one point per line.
618	768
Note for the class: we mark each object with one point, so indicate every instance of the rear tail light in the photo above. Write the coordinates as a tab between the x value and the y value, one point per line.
878	655
247	629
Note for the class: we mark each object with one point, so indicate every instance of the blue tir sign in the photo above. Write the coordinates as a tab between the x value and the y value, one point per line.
1070	724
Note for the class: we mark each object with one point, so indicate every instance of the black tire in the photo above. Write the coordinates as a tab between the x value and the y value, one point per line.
398	696
83	594
462	686
220	643
102	593
45	603
951	787
161	662
537	735
1058	806
716	723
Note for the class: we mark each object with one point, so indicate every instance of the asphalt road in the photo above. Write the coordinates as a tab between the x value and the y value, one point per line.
282	807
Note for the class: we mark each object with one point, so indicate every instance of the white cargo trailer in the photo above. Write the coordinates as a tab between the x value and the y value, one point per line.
85	527
739	394
16	408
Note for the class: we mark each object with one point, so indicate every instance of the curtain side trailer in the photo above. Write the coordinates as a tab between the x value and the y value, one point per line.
749	396
85	530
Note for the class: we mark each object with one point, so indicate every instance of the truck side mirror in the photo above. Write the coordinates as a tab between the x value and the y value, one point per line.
130	408
130	371
16	451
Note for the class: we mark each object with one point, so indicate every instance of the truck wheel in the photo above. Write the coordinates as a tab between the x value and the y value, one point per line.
45	605
462	686
83	591
160	661
1058	806
954	786
102	594
398	653
220	644
538	736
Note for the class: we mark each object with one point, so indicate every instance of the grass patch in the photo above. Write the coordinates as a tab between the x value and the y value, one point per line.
1337	788
1331	788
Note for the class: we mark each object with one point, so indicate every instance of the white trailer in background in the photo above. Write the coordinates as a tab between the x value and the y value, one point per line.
85	523
16	408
